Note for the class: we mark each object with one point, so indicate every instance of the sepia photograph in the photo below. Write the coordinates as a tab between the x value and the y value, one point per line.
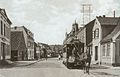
59	38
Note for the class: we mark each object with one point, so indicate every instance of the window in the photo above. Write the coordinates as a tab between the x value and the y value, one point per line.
96	33
119	49
108	50
103	50
29	44
93	34
4	30
1	28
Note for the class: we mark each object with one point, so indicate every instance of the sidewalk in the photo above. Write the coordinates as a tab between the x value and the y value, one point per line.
11	64
105	71
6	64
24	63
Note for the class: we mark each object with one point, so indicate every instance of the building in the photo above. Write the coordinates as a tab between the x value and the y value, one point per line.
82	38
5	25
110	46
56	49
101	38
105	40
18	47
37	51
89	37
42	46
35	55
73	34
29	40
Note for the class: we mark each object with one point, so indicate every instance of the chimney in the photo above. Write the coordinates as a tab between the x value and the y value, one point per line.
114	13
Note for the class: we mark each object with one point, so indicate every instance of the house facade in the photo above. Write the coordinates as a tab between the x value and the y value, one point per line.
81	35
73	34
29	40
89	37
18	47
5	25
102	51
110	46
38	51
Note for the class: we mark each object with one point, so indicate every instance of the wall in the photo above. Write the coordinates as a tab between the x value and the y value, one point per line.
104	58
96	41
117	54
5	37
28	40
82	37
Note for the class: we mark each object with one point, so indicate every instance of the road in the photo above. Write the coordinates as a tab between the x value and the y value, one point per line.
46	68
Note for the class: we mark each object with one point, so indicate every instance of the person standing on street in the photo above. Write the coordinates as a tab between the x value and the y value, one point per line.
45	53
59	56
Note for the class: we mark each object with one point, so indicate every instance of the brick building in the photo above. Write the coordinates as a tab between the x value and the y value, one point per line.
29	40
18	47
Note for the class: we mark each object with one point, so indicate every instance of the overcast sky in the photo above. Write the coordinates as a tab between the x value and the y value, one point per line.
50	19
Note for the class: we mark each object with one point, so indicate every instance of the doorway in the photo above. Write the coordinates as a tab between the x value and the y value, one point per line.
96	53
14	55
3	50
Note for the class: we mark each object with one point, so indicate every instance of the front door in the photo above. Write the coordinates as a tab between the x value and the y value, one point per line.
96	53
14	55
3	50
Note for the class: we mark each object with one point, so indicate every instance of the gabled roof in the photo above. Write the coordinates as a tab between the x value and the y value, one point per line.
4	12
115	31
17	41
26	30
108	20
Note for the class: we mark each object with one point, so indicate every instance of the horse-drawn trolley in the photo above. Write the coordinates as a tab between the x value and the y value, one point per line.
73	53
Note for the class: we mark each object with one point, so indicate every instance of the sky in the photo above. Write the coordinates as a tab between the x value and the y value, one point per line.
49	20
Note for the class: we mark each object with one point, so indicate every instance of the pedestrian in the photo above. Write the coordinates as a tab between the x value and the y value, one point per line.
86	62
45	53
59	56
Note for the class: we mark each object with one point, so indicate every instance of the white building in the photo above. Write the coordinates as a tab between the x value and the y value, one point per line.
104	51
5	25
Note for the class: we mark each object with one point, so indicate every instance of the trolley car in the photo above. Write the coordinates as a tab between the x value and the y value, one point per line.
73	54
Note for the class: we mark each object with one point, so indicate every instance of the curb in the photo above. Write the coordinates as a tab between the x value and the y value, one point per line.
26	64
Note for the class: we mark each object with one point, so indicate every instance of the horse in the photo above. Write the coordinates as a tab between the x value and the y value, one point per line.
86	62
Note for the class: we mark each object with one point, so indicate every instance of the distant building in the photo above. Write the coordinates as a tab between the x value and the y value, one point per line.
29	40
18	47
37	51
5	25
42	46
35	55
